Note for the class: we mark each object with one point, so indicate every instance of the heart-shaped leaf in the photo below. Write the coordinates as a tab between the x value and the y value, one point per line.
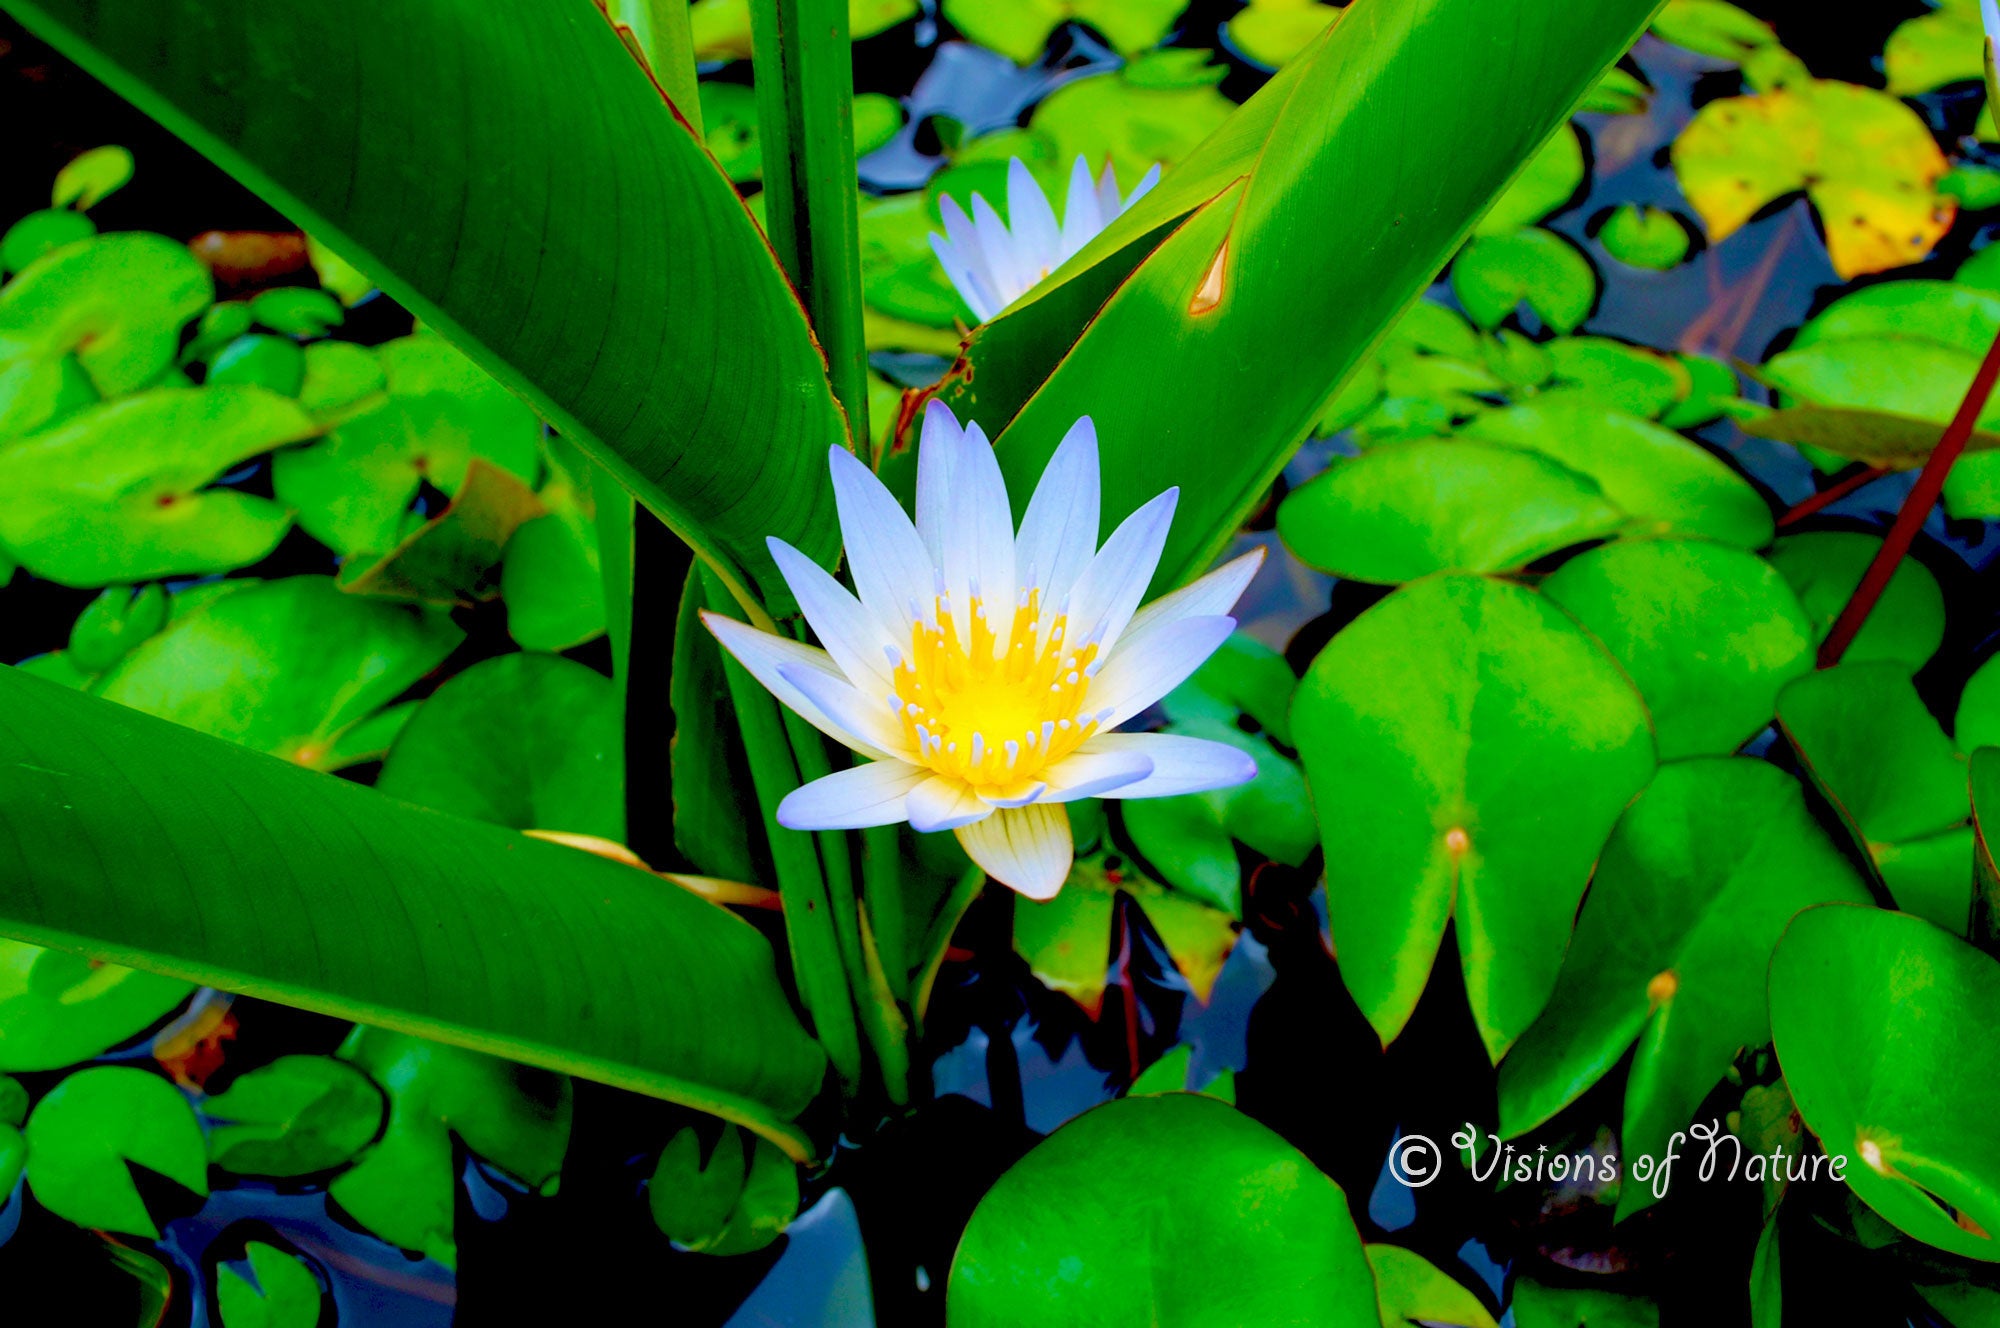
89	1129
1825	567
293	1117
280	1292
57	1008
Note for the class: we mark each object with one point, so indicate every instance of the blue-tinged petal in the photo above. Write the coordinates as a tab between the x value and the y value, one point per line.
1090	772
867	795
945	804
1037	241
1082	219
865	718
1180	764
1108	591
1059	529
852	635
890	568
1209	597
1134	679
777	663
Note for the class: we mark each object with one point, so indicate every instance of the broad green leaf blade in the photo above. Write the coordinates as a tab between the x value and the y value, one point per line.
1696	885
1469	748
1884	1031
506	169
1411	1288
1308	221
140	842
1825	567
1162	1212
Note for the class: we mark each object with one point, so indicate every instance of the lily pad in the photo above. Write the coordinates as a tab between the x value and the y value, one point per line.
121	491
260	360
1118	117
1712	27
1419	822
1412	1289
552	580
1882	1029
1020	31
1547	182
1937	48
1867	161
40	232
280	1291
1707	632
1825	567
1875	438
1632	379
1645	236
736	1200
515	1118
58	1008
450	559
91	177
282	667
1870	745
352	488
1271	32
1403	510
1168	1211
1067	940
1496	273
1666	483
534	742
113	623
1243	677
1696	885
1540	1305
91	1127
293	1117
1191	840
340	377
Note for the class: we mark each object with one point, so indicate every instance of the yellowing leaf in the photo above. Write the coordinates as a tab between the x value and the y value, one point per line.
1866	160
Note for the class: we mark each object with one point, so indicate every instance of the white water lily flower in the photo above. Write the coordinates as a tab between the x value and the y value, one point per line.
981	671
993	266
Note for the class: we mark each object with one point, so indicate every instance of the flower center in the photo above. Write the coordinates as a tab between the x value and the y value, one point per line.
994	711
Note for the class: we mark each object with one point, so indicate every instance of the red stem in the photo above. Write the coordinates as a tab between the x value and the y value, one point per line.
1915	510
1127	988
1831	494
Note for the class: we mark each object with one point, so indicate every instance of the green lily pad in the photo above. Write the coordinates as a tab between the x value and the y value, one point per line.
1166	1211
1243	677
1931	50
1952	314
282	667
1020	31
1067	940
1169	1074
91	1127
736	1200
1191	839
1882	1029
1539	1305
534	742
58	1008
552	580
1712	27
1116	117
1707	632
352	488
1645	237
1496	273
515	1118
118	492
113	623
91	177
293	1117
280	1292
297	311
1632	379
1713	392
1903	376
1413	1289
900	275
1617	92
260	360
1693	891
116	302
1356	397
41	232
1870	745
450	559
1977	723
1271	32
1420	822
1825	567
340	377
1547	182
1403	510
1666	483
1867	161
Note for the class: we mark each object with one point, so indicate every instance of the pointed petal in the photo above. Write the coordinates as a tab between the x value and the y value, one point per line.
937	456
1017	794
1180	765
858	715
945	804
884	555
1082	219
966	240
769	658
958	272
1141	189
1109	588
850	633
1059	529
856	799
1134	679
1109	205
1003	258
1027	849
1037	242
979	536
1091	773
1209	597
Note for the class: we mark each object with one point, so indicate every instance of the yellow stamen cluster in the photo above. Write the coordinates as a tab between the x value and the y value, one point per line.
994	712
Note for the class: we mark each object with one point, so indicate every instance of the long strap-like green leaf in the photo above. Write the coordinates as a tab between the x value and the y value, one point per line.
140	842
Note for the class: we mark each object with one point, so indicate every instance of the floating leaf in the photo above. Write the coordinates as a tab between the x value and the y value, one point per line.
40	232
1866	160
1243	677
529	741
1666	483
1645	236
280	1292
1632	379
737	1200
515	1118
1403	510
1872	748
113	623
1116	117
1934	49
1419	822
1257	1233
552	580
1825	567
1495	273
1707	632
1169	1074
1617	93
1547	181
1882	1028
1712	27
91	1127
92	177
1695	886
449	560
1271	32
900	274
1067	940
1411	1288
1713	393
721	28
120	491
1019	31
293	1117
1539	1305
1978	720
282	667
58	1008
260	360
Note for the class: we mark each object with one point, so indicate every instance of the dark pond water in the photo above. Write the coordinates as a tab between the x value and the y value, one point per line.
1009	1060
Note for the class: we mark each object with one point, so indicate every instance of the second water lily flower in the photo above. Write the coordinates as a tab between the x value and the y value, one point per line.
981	671
994	264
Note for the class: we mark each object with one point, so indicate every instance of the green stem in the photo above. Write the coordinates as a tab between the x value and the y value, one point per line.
811	931
665	40
882	897
805	110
